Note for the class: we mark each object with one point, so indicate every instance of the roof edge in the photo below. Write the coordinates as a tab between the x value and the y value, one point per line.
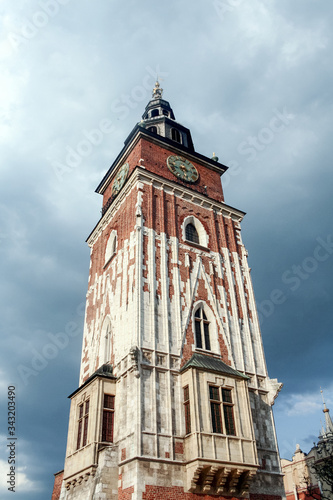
207	364
103	371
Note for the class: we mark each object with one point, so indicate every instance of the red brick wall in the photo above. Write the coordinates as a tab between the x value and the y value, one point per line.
302	495
255	496
58	477
177	493
133	160
155	158
125	494
156	161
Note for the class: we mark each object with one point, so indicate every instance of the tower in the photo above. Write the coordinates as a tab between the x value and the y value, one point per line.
174	400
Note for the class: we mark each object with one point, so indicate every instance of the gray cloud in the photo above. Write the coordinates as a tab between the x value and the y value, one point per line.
224	76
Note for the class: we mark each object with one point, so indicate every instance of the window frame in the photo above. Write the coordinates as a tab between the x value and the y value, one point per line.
82	424
194	237
228	416
216	415
153	129
111	247
202	233
187	409
108	419
201	330
224	408
175	135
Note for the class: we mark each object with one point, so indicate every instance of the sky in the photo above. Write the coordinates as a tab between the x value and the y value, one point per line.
253	82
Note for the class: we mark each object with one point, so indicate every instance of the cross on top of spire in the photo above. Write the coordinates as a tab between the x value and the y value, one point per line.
157	91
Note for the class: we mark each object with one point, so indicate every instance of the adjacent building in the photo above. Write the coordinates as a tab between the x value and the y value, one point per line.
310	475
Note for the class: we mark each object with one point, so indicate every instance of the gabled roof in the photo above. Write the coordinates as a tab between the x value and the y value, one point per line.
104	371
208	363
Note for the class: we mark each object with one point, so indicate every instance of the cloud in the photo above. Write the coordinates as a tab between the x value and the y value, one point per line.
3	385
23	484
225	78
307	403
299	404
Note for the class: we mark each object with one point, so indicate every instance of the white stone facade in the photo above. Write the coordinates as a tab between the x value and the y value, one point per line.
146	284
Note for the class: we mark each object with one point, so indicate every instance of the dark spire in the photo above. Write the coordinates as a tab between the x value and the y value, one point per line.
158	118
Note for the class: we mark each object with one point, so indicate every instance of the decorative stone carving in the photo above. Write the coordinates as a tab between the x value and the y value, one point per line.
135	353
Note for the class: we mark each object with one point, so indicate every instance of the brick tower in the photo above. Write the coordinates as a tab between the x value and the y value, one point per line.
174	400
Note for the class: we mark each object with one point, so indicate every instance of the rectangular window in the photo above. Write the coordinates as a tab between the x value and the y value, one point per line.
82	428
79	434
108	418
187	410
215	408
228	412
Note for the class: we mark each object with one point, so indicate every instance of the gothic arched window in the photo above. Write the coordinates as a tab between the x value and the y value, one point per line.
111	246
107	345
194	231
191	234
201	329
175	135
153	129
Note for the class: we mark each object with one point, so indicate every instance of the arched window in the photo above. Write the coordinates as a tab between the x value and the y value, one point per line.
191	234
194	231
111	247
105	342
155	112
152	129
107	345
175	135
201	330
114	246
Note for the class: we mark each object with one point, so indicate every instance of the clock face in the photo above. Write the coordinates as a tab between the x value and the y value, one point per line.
182	168
120	179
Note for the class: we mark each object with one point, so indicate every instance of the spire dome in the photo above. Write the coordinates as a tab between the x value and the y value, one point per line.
159	119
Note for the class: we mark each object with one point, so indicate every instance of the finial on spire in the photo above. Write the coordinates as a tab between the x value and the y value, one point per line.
157	91
322	395
328	420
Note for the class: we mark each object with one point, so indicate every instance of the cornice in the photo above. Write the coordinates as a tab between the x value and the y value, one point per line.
141	133
140	174
190	195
